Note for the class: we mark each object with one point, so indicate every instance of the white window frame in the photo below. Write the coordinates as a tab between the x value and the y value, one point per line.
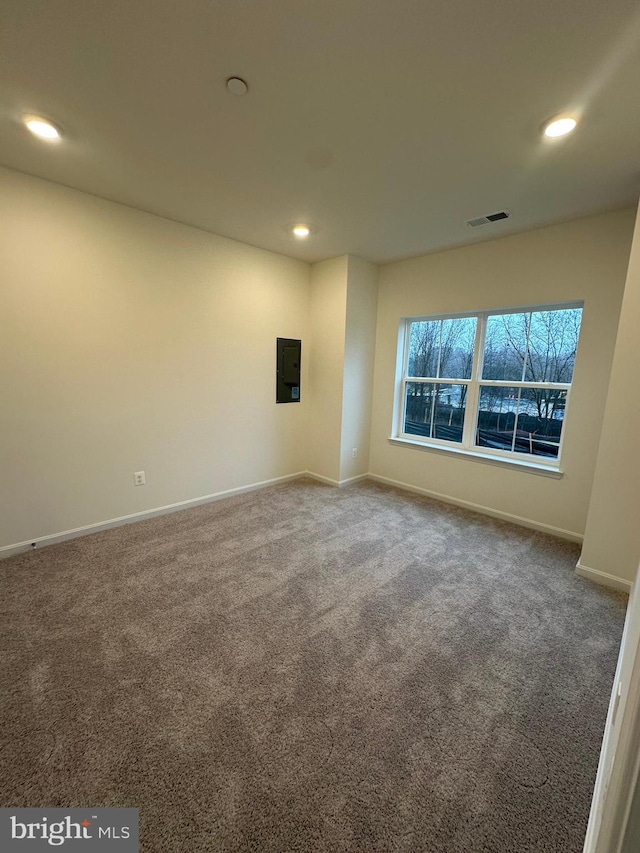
468	448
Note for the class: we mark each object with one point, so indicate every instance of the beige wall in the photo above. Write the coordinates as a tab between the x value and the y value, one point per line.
612	536
133	343
326	358
581	260
359	354
344	294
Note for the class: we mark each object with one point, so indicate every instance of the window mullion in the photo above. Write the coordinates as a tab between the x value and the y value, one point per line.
515	423
526	348
514	383
562	431
402	413
473	386
433	403
403	384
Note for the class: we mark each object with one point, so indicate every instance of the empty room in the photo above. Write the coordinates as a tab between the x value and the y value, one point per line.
318	420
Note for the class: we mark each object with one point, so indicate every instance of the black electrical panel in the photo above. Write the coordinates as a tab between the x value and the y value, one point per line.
288	370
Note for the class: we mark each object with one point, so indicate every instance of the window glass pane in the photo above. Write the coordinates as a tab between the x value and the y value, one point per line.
449	411
442	348
529	347
497	415
553	341
540	419
505	346
424	346
457	339
435	410
418	408
521	420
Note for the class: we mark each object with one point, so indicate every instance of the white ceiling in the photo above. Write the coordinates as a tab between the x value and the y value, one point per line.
384	125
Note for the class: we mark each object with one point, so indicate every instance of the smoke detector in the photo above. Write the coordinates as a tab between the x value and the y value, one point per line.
237	86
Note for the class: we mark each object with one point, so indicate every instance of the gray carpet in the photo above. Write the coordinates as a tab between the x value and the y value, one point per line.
311	669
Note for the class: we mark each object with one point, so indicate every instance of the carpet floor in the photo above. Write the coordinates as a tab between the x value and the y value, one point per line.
306	668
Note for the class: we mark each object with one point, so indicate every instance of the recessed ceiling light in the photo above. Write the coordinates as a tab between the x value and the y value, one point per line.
237	86
42	128
559	127
301	230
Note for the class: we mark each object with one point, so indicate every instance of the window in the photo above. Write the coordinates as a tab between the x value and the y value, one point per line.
496	383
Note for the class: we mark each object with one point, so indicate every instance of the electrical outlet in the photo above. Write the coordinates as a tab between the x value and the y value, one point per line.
139	478
354	453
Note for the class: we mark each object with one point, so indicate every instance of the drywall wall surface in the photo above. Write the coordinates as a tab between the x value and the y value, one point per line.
132	343
584	259
612	536
326	360
632	830
617	775
360	337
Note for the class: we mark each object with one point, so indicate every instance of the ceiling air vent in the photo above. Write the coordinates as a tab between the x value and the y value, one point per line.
490	217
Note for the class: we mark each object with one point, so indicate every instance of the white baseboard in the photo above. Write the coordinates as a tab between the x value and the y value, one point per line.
357	479
41	541
338	483
603	578
322	479
30	544
484	510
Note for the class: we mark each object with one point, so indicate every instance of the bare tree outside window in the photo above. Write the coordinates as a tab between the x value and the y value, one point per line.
439	349
518	395
536	346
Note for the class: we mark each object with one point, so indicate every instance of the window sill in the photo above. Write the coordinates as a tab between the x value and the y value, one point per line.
486	458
